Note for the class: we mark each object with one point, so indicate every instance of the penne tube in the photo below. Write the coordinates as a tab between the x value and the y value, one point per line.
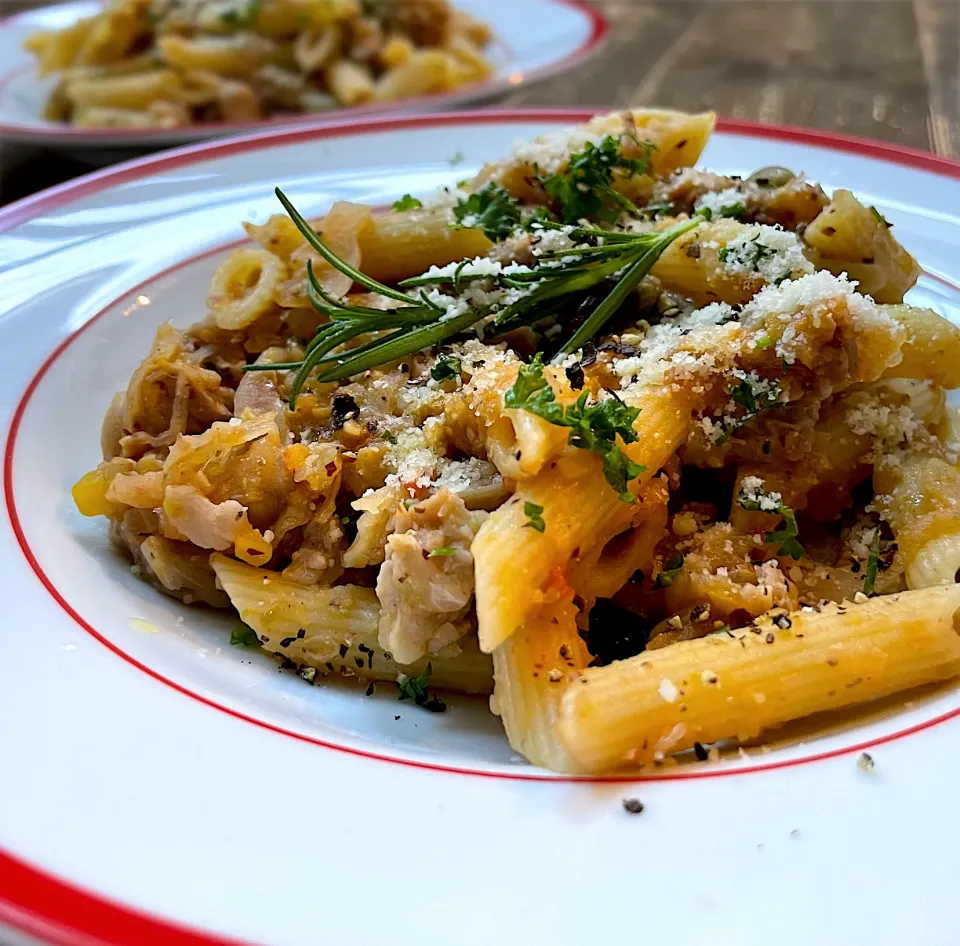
736	685
531	671
513	562
919	495
693	265
136	91
236	55
350	82
400	245
851	238
426	71
932	347
243	287
333	628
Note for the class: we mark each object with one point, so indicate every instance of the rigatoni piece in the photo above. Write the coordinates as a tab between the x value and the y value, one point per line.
739	684
330	628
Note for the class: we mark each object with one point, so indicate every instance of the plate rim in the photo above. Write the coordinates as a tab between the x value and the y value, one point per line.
598	30
34	901
26	208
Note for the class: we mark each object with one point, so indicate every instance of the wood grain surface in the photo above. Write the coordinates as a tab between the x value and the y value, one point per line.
884	69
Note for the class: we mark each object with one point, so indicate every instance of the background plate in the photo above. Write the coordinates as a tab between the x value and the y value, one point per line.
534	39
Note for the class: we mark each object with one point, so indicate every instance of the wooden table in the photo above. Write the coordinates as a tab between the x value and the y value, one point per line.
886	69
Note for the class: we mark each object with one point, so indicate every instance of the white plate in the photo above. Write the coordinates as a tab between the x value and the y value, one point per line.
534	39
160	782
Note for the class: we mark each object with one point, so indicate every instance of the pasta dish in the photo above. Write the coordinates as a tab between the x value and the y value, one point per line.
656	457
171	63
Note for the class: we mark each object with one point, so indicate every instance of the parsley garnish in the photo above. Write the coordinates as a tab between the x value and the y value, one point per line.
407	202
447	367
873	563
736	209
785	537
585	187
492	210
763	343
389	436
593	428
243	14
672	567
415	688
244	636
442	551
534	514
753	398
751	254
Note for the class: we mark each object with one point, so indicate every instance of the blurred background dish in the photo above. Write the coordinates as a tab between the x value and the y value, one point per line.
154	73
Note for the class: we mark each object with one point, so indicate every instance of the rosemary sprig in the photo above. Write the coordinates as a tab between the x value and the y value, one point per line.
421	322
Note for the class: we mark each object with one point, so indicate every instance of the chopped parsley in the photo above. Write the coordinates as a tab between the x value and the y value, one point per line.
584	188
735	209
671	568
755	394
786	536
244	636
442	551
873	563
492	210
407	202
241	14
763	343
594	427
534	514
749	256
415	688
447	367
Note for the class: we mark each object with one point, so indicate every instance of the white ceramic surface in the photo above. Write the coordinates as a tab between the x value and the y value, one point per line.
534	39
171	775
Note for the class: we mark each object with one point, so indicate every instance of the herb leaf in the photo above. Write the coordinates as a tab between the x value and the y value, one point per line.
415	688
447	366
407	202
671	568
244	636
584	188
786	536
443	550
492	210
594	427
534	514
873	563
242	13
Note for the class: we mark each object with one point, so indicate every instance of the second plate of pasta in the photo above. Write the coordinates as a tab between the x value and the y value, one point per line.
149	73
551	499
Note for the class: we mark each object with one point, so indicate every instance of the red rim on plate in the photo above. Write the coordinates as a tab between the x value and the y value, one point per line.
598	30
43	906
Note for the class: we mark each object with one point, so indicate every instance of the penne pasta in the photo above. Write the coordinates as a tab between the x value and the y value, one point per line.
334	629
740	684
615	442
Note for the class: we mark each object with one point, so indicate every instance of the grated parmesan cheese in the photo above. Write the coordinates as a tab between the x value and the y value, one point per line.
773	253
725	203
